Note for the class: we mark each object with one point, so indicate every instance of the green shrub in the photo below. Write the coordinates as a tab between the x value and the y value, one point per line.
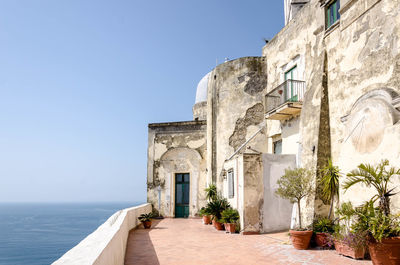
323	225
145	217
217	206
230	216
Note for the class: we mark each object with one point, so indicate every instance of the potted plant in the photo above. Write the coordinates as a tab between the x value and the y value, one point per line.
145	218
323	228
205	213
295	185
216	207
349	240
382	227
230	217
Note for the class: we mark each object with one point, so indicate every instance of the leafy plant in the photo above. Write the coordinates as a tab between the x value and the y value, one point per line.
145	217
295	185
217	206
330	183
375	223
204	211
346	213
230	216
349	233
379	177
211	192
323	225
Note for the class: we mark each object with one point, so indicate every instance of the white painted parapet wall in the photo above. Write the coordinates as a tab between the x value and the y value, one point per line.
106	245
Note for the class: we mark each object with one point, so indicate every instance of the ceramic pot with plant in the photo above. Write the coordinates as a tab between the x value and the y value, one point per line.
383	228
230	217
350	240
204	212
216	207
145	218
323	228
295	185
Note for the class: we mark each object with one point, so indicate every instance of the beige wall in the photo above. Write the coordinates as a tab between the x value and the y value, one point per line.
178	147
234	111
362	55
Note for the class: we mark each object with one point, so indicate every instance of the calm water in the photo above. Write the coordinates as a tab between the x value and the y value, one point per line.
38	234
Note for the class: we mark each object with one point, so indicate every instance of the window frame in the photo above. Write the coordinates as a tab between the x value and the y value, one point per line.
332	12
274	143
231	183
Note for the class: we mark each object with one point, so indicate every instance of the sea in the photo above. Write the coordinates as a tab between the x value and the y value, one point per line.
40	233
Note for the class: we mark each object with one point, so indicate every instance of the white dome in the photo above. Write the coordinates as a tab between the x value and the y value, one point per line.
201	92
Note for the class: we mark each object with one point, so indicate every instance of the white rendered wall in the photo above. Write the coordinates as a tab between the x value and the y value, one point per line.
107	244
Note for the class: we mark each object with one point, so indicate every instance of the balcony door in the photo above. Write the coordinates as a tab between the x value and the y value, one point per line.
291	93
182	189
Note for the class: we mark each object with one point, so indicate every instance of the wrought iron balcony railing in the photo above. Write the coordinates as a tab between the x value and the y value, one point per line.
288	91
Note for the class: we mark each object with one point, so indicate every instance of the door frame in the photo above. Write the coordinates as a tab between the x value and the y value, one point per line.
173	191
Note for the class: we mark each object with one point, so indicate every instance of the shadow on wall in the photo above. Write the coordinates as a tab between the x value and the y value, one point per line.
140	249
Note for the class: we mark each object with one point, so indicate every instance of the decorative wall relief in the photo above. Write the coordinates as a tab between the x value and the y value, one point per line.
369	116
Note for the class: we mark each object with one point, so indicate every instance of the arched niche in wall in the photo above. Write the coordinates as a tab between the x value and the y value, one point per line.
180	160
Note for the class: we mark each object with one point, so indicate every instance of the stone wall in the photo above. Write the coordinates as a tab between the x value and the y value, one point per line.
234	111
360	54
176	147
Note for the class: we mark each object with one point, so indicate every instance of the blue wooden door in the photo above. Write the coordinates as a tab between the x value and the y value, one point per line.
182	190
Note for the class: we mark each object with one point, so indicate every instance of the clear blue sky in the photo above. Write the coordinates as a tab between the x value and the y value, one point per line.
81	79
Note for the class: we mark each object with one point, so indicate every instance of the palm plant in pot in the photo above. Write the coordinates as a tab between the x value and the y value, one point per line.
230	217
205	213
323	228
216	207
295	185
382	227
145	218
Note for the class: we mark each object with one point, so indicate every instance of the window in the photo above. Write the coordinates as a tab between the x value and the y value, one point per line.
332	13
290	90
231	185
278	147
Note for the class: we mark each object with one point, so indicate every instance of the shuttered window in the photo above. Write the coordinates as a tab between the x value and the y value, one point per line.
231	185
332	13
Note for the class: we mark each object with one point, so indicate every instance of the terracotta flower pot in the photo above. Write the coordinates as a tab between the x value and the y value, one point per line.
206	219
218	225
348	251
322	239
230	227
146	224
386	252
300	239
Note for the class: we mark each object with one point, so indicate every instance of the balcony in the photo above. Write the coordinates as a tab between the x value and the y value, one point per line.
285	101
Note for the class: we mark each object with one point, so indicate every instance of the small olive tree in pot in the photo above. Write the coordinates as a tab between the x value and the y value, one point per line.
295	185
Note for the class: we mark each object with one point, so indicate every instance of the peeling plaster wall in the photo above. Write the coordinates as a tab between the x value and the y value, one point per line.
362	55
177	147
302	39
234	111
253	187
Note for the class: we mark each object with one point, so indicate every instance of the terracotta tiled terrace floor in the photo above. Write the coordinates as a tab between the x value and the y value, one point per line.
188	241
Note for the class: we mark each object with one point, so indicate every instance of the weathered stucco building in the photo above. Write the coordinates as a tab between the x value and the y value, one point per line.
326	86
